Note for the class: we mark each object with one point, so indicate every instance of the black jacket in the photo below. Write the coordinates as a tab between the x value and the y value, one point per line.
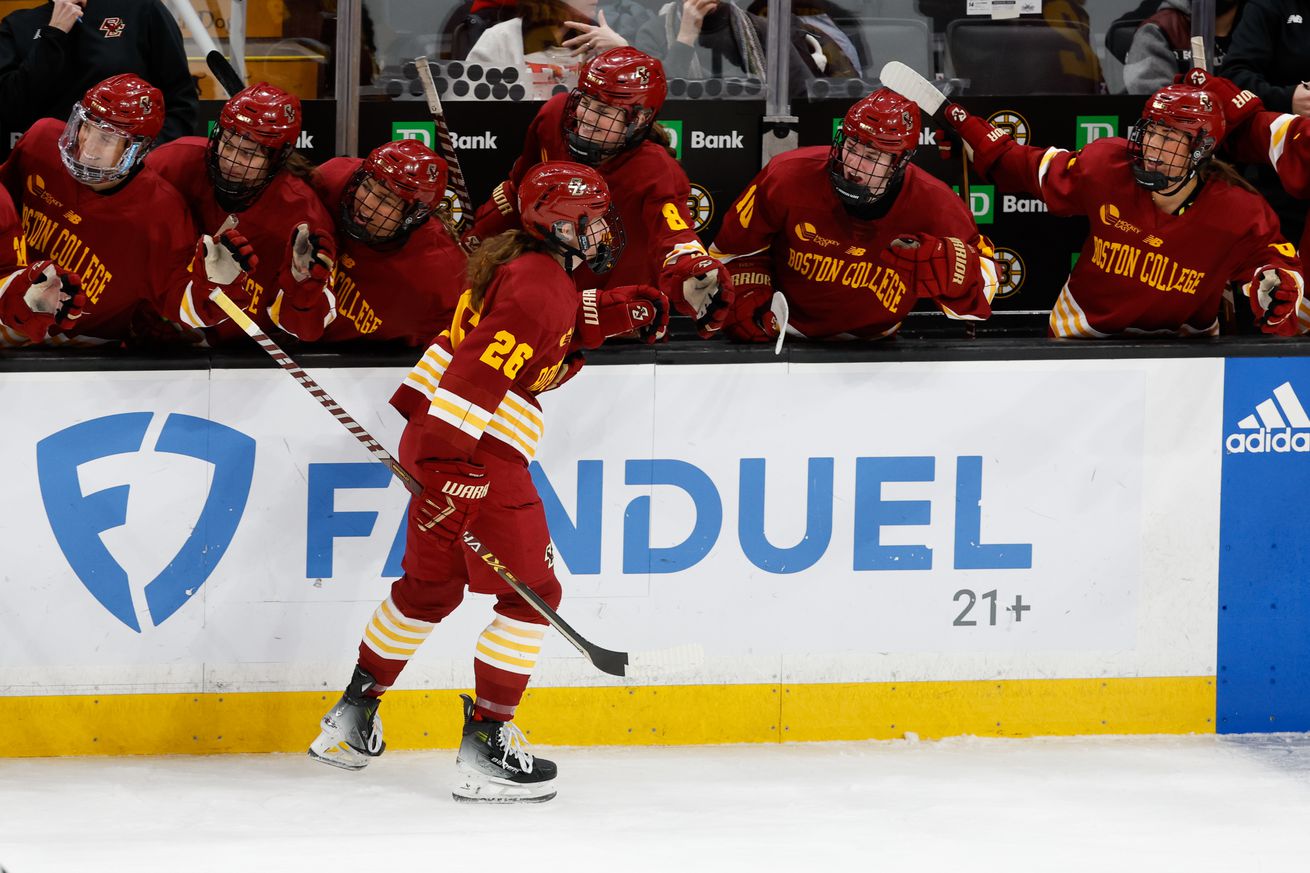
1270	52
44	71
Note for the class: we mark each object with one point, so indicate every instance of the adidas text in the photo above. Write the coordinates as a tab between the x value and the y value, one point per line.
1282	441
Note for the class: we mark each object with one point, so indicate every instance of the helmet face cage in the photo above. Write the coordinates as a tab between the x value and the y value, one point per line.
374	213
862	173
1177	134
239	168
596	131
96	152
600	240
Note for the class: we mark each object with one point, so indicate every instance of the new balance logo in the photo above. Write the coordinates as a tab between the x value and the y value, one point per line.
1294	19
1278	425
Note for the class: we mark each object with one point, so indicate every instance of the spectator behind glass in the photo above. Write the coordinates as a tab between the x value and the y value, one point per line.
551	39
1270	54
1162	45
711	39
828	50
51	55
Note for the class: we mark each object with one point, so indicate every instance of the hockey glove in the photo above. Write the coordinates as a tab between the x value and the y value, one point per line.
987	142
628	310
220	264
452	494
751	319
1238	104
304	303
943	268
41	299
497	215
699	286
1275	294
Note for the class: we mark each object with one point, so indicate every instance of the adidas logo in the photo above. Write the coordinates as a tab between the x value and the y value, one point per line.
1279	424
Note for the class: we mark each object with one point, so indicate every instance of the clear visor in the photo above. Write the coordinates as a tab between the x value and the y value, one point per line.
96	152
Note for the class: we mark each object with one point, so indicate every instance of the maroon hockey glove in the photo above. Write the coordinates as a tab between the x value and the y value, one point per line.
943	268
751	319
628	310
497	215
1239	104
220	264
699	286
987	142
452	493
41	299
569	367
1275	295
311	254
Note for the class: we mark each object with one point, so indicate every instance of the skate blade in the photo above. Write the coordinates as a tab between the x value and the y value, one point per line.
334	756
476	796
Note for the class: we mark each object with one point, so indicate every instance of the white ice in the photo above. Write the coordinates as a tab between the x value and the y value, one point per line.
1157	804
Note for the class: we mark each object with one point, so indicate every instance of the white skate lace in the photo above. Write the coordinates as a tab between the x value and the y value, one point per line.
375	737
513	742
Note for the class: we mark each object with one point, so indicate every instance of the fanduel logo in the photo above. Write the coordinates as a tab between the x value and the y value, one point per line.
79	519
1270	430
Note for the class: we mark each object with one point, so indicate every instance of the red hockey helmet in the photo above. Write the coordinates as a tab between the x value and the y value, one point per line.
568	206
875	143
1180	127
393	192
251	142
111	128
619	93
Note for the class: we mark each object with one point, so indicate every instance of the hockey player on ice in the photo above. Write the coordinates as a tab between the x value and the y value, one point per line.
400	273
1170	225
93	208
853	235
473	424
242	169
608	122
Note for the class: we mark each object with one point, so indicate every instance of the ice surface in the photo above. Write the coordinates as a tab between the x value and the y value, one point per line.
1200	803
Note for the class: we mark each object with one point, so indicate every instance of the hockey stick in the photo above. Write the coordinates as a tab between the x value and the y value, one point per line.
236	37
909	84
224	72
614	663
444	141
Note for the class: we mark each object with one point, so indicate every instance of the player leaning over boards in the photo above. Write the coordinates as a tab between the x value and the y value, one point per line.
473	424
96	211
242	169
853	235
608	122
400	270
1170	225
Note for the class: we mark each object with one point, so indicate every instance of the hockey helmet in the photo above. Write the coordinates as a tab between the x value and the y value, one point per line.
251	142
1180	127
874	144
567	206
110	129
618	95
393	192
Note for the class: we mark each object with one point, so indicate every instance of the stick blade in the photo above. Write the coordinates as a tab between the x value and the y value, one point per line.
662	661
906	82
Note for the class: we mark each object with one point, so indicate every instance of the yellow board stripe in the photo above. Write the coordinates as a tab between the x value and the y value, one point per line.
167	724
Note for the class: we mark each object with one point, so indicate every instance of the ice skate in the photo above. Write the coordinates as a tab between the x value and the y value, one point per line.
351	732
495	766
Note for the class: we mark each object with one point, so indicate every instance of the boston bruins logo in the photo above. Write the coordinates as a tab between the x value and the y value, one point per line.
701	206
453	208
1012	123
1010	272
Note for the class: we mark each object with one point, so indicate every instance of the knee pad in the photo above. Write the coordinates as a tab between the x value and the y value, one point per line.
511	605
427	599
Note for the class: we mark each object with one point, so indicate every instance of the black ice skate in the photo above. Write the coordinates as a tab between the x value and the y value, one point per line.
495	766
351	732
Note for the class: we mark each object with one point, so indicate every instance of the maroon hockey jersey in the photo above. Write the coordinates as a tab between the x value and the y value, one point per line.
405	292
476	386
827	263
132	246
268	223
649	190
1141	270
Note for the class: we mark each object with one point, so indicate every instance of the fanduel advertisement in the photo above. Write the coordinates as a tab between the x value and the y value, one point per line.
844	522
